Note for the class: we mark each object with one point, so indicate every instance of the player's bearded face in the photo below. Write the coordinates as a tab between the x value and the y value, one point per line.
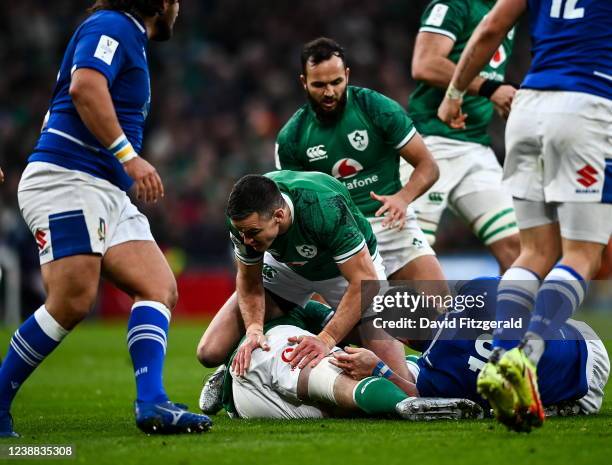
258	231
164	23
325	84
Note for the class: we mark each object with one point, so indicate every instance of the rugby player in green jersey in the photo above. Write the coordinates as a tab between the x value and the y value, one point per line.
358	136
296	234
470	176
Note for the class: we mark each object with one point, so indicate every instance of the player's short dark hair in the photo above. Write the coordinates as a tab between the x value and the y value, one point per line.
253	193
141	7
321	49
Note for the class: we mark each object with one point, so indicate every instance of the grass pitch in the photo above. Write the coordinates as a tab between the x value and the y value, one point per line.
82	396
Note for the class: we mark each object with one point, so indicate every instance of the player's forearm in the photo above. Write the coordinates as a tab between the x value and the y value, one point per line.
251	301
438	72
425	174
346	317
479	50
94	104
405	385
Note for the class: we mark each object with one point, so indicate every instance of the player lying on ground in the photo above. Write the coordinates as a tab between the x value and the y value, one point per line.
574	368
271	388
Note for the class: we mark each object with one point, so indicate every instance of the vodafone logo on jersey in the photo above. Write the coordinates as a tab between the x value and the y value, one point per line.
498	58
346	168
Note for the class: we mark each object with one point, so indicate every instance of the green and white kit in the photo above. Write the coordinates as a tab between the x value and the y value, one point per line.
327	229
360	149
470	176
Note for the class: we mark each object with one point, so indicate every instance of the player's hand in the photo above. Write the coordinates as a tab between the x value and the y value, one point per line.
253	340
1	175
502	99
449	111
149	186
394	207
356	362
310	349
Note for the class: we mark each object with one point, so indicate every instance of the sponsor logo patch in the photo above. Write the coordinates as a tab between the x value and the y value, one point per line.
346	168
587	175
437	15
499	57
306	250
105	51
316	152
268	272
359	139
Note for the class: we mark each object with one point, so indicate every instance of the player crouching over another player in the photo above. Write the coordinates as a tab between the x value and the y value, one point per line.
272	389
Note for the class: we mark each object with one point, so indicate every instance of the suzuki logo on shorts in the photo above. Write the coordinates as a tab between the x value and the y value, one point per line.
346	168
587	176
359	139
499	57
40	236
315	153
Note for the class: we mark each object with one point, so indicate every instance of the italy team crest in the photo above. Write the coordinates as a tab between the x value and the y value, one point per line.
359	139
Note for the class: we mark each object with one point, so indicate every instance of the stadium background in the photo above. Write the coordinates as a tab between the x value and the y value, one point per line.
221	89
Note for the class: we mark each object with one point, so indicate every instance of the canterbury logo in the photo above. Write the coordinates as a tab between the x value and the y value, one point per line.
316	152
587	176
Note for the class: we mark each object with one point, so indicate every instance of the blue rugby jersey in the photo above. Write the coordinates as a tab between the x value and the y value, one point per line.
450	365
113	43
571	46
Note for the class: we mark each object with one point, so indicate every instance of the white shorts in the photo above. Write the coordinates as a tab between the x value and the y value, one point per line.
558	147
70	212
269	388
470	184
399	248
597	369
287	284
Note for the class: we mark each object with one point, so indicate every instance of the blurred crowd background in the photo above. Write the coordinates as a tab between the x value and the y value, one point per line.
222	88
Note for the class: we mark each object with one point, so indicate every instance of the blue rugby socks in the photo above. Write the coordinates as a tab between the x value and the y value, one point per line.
32	342
515	299
147	340
559	297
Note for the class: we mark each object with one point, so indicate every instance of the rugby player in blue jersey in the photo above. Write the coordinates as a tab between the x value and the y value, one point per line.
558	169
73	197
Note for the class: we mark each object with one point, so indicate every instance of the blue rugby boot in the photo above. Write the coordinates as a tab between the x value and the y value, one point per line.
169	418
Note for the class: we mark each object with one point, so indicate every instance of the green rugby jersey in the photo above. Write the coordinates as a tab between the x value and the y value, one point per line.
313	318
327	227
457	19
360	149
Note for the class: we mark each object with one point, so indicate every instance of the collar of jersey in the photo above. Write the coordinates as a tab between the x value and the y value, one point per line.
290	203
137	22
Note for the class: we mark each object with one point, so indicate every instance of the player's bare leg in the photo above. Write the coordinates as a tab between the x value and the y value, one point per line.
426	272
506	251
141	270
540	248
71	284
584	257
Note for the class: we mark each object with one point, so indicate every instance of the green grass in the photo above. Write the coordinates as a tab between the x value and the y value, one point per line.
82	395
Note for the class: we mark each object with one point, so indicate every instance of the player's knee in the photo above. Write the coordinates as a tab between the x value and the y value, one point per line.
171	295
75	307
506	250
208	356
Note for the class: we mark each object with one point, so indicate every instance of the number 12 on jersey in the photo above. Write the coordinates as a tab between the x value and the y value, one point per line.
569	12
